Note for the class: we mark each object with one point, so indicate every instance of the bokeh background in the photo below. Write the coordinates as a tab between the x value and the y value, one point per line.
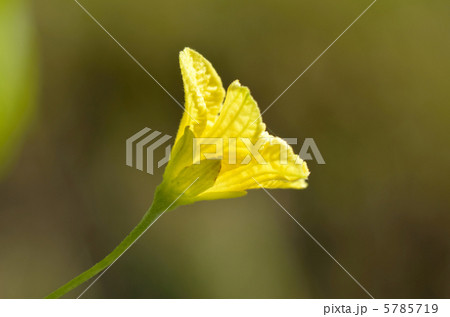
377	105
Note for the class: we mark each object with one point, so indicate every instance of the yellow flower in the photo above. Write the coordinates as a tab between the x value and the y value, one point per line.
222	142
221	150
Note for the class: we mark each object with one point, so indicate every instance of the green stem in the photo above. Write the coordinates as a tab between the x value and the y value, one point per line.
155	211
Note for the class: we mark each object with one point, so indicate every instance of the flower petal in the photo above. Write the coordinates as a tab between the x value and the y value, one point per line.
207	195
204	92
278	172
239	117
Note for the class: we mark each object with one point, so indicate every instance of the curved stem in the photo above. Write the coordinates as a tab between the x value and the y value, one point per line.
155	211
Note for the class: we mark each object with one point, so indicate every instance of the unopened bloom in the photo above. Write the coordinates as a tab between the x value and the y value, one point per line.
234	119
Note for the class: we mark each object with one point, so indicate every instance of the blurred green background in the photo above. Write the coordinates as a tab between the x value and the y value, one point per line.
377	105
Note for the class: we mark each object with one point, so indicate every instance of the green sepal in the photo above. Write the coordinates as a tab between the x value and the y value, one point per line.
182	154
184	181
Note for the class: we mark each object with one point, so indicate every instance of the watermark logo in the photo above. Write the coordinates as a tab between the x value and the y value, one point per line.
309	147
143	141
215	148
